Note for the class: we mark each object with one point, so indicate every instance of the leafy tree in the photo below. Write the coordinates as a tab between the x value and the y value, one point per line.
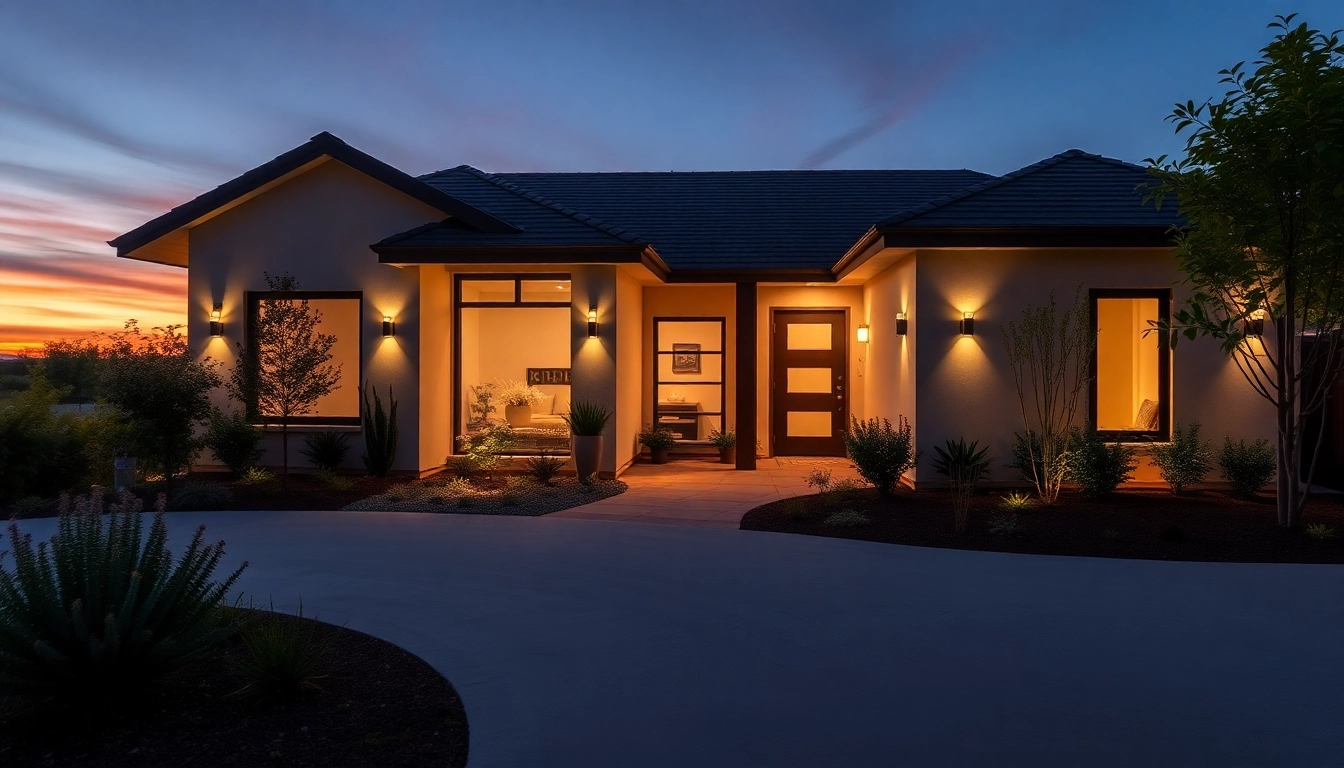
1261	189
287	369
73	364
1050	352
164	391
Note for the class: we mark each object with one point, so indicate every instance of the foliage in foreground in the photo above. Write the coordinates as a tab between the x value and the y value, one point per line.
586	419
1247	468
282	655
544	468
1099	467
881	452
380	433
1185	460
326	449
234	440
93	617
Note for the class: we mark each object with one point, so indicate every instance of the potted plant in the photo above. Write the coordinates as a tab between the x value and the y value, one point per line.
586	422
726	442
518	401
659	440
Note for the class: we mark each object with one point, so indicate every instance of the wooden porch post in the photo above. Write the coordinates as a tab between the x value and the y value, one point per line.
745	395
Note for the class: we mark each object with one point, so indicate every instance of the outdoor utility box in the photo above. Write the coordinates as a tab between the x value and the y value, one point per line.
123	473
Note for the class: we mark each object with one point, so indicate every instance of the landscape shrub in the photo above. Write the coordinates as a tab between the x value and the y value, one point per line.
819	480
282	655
43	454
257	476
1098	467
1005	524
380	433
544	468
334	481
880	452
1185	460
964	465
326	449
481	450
93	617
234	440
1016	502
1029	460
846	518
198	496
1247	468
842	491
1320	532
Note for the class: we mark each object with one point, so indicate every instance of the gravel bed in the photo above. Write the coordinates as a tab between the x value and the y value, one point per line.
513	496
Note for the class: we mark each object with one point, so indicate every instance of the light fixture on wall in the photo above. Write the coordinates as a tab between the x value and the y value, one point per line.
863	334
389	327
1255	325
592	322
902	325
216	321
967	323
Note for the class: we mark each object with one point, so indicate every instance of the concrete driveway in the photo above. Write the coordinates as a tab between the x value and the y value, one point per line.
584	643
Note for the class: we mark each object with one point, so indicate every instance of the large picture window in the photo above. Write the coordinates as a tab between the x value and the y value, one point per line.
688	384
1131	366
512	334
339	314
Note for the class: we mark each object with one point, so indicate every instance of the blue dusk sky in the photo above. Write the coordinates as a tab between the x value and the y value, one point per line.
112	112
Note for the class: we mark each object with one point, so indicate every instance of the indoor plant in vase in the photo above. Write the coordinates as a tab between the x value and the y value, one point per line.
518	400
726	442
659	441
586	421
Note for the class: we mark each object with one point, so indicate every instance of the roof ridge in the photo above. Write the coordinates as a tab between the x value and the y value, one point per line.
620	233
997	181
817	171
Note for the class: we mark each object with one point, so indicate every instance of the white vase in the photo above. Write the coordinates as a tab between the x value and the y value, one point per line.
587	453
518	415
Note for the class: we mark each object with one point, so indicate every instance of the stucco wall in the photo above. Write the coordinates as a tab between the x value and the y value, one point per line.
436	352
593	366
629	368
889	379
965	383
318	227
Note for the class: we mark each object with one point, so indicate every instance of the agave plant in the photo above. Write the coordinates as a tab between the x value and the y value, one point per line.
587	419
94	616
965	465
380	433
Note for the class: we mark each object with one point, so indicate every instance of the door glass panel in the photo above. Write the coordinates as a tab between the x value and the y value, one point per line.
809	336
809	380
546	290
808	424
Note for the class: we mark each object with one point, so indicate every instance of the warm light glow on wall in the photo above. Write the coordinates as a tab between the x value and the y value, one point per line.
216	320
902	324
863	334
967	323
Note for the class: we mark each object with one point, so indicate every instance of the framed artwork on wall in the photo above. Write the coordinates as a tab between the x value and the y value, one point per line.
685	358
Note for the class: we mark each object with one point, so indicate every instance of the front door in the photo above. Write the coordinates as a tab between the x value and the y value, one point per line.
808	382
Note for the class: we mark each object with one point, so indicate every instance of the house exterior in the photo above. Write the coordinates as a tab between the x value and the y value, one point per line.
701	301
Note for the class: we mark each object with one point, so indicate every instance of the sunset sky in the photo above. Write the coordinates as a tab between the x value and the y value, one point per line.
111	113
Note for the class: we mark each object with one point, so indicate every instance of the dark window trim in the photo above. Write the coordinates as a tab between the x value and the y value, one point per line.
459	426
252	304
722	381
1163	433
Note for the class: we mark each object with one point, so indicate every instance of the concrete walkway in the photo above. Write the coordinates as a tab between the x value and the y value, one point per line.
580	643
704	493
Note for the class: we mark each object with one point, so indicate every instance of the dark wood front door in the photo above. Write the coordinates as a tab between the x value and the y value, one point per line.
808	382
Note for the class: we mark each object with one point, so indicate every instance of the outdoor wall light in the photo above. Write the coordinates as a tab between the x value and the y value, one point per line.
1255	326
216	323
967	323
863	334
389	327
592	322
902	325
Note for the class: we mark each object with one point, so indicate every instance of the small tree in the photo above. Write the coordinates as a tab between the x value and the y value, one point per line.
1050	353
73	364
163	390
288	367
1260	189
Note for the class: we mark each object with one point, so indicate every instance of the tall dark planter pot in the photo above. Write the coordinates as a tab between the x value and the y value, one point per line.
587	453
659	455
728	455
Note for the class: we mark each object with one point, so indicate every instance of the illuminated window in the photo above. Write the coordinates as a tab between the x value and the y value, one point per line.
1131	382
338	314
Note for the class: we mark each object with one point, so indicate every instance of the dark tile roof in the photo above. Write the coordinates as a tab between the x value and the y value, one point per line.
541	222
1073	189
700	220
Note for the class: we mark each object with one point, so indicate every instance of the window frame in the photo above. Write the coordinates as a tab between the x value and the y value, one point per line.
1163	433
252	307
458	426
722	383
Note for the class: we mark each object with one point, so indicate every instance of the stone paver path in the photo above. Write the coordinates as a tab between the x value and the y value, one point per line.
704	493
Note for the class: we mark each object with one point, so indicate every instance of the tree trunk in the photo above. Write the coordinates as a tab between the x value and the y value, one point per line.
284	455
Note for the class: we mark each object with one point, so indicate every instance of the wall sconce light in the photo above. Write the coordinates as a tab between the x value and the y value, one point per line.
216	323
592	322
967	323
863	334
1255	326
389	327
902	325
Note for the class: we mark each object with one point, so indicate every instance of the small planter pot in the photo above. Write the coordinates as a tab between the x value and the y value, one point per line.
659	455
518	415
587	453
728	455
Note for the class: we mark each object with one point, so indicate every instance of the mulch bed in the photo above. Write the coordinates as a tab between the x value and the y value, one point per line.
501	494
1142	524
377	705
